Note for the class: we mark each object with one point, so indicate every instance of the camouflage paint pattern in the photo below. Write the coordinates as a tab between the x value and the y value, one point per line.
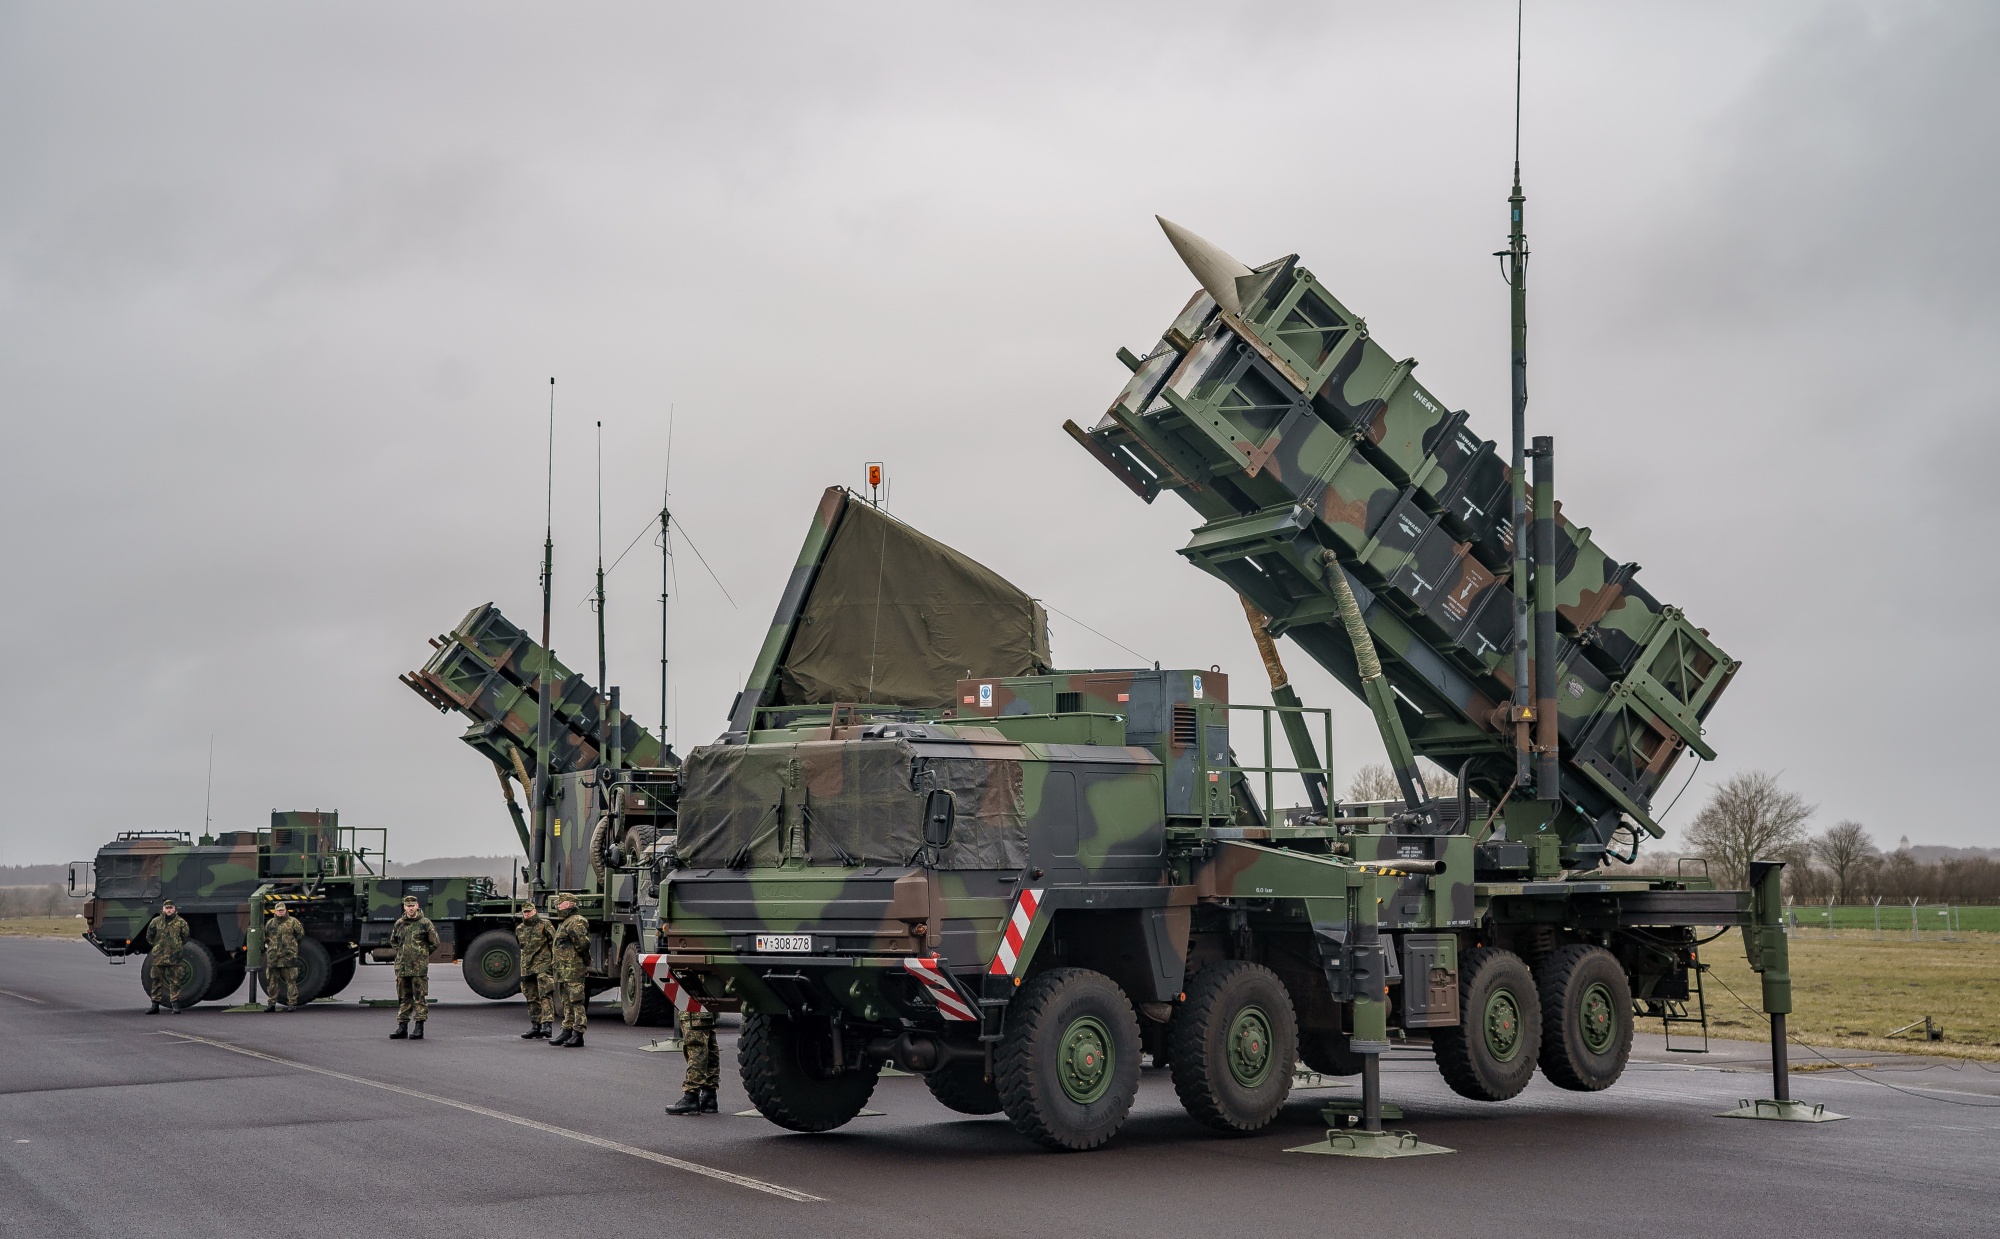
1297	438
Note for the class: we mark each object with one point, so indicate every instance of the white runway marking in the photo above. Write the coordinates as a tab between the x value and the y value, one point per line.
755	1185
23	997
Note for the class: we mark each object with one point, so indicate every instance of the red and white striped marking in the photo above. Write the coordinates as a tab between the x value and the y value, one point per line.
655	966
1016	933
949	1003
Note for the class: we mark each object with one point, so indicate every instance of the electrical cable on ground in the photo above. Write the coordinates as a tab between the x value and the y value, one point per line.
1793	1038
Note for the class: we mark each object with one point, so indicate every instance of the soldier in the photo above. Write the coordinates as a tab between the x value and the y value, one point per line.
538	970
166	938
413	939
282	936
703	1073
572	959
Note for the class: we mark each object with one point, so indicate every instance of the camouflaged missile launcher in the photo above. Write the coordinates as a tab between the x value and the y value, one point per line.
1303	444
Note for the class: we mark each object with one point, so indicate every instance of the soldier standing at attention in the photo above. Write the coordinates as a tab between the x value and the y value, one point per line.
414	939
572	957
704	1073
166	938
282	936
538	970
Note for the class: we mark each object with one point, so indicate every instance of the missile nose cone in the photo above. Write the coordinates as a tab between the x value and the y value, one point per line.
1209	263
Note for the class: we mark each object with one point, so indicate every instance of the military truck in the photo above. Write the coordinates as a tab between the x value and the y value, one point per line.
1017	885
224	885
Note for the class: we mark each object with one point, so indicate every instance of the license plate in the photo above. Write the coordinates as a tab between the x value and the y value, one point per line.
768	943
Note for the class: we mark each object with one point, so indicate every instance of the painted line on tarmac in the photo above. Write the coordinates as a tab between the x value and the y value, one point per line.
755	1185
23	997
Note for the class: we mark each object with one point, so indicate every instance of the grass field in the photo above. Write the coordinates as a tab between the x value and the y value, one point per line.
1970	918
41	926
1849	989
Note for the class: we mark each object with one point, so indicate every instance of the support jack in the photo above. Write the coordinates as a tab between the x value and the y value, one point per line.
1356	1129
1779	1107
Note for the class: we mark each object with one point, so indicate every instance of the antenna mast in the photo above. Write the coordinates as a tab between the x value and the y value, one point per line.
541	789
603	682
208	797
666	569
1515	259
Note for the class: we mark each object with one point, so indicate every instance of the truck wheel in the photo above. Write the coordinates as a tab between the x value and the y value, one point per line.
197	974
1235	1041
1490	1056
1328	1054
1068	1067
229	973
492	964
964	1087
642	1003
338	974
786	1065
314	967
1586	1018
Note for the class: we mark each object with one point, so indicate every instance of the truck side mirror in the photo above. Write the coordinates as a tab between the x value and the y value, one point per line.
940	812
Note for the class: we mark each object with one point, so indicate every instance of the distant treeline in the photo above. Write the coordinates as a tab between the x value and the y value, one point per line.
50	900
32	875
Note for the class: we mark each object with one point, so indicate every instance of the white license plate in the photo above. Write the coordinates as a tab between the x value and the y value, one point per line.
767	943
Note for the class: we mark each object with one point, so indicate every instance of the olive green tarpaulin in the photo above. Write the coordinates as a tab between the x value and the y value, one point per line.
898	618
844	803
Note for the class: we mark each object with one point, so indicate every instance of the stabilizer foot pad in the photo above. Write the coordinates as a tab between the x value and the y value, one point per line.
662	1045
1377	1144
1781	1112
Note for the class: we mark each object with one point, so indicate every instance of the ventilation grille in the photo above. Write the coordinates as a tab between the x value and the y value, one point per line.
1069	703
1184	726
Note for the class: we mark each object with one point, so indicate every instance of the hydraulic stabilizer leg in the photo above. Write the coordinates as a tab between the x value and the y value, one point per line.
1375	688
1770	957
1369	1037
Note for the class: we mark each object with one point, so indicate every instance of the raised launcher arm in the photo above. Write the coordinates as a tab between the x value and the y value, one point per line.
1308	450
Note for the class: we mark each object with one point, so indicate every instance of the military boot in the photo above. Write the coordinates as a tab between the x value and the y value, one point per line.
402	1032
575	1039
708	1102
270	1007
173	1009
417	1033
534	1031
563	1038
153	1010
690	1103
548	1030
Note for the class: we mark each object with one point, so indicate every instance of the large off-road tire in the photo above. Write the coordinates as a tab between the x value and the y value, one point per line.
338	975
964	1087
1490	1056
1329	1054
492	964
641	1003
197	974
229	973
1068	1066
1586	1018
1235	1042
315	965
638	840
785	1063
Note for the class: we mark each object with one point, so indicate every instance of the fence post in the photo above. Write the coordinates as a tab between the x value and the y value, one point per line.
1915	934
1878	916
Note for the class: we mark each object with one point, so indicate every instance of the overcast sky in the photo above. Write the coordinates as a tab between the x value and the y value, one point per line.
282	287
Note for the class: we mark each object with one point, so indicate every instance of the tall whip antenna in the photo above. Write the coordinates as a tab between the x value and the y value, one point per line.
666	568
1515	261
542	684
603	682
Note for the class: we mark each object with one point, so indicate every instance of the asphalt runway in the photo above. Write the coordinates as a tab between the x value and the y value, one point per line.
116	1123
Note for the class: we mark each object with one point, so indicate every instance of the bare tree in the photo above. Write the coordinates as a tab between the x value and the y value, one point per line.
1845	849
1748	817
1373	782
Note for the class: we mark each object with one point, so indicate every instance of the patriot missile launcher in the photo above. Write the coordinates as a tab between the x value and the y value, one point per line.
1335	488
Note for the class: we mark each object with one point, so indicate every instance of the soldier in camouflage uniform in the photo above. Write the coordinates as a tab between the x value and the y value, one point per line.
414	939
572	961
704	1072
166	938
538	970
282	936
